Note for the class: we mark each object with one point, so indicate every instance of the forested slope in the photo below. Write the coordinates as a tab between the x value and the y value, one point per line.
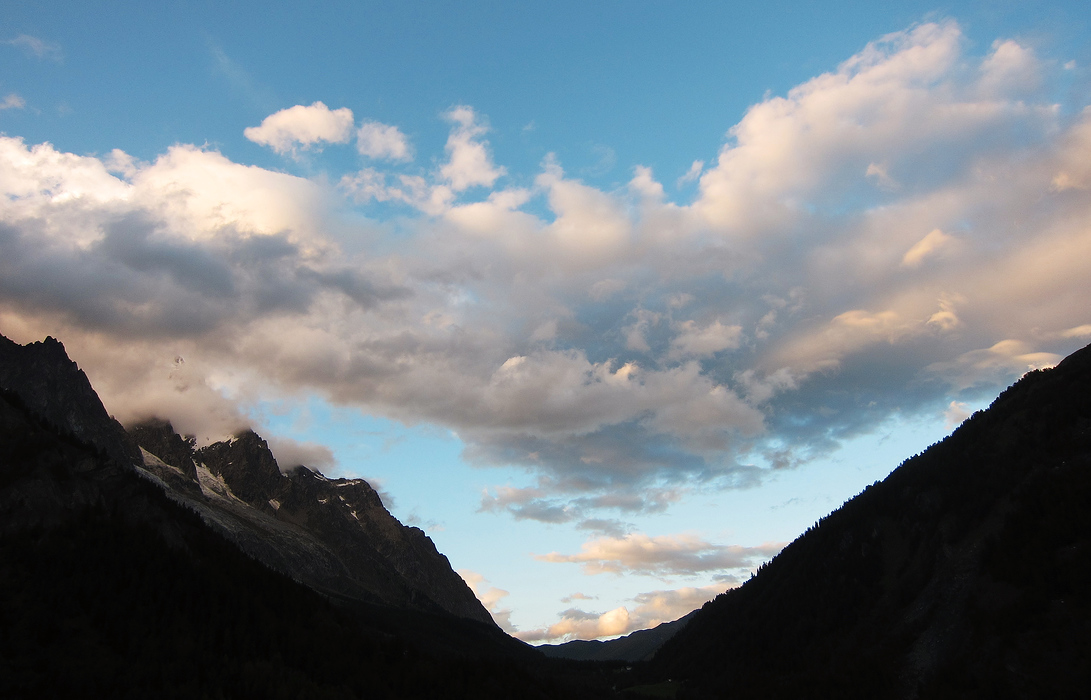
965	573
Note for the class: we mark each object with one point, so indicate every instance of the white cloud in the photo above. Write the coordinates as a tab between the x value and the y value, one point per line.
693	174
623	348
469	163
381	141
303	127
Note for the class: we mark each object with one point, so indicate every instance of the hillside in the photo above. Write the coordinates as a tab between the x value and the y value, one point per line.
110	588
332	534
965	573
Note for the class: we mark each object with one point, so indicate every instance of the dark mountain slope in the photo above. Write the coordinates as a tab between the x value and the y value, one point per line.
334	535
966	573
108	588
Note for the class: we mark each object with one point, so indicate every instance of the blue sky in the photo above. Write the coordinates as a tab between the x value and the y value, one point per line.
612	299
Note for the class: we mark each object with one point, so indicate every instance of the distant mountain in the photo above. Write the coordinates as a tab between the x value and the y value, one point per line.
113	585
635	646
965	573
333	535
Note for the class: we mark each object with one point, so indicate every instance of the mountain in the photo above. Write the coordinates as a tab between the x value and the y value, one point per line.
111	585
965	573
635	646
332	534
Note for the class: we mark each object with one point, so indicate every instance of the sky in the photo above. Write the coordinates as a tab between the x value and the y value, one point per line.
612	299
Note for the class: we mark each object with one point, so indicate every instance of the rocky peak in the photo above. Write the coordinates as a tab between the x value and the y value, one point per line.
56	389
159	437
246	464
333	534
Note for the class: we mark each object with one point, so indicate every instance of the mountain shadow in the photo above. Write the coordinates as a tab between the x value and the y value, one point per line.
966	573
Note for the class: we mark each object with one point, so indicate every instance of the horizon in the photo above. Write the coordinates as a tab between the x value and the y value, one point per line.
612	302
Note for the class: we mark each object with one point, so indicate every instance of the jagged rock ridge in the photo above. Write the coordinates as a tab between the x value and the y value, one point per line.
110	587
335	535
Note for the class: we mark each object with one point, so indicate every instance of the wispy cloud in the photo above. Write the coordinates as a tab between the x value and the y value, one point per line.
666	555
12	101
38	48
490	597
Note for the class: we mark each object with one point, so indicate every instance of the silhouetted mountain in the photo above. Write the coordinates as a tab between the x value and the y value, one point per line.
635	646
108	588
965	573
333	535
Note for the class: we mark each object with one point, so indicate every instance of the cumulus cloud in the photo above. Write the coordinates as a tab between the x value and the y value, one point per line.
665	555
304	127
382	141
880	240
469	163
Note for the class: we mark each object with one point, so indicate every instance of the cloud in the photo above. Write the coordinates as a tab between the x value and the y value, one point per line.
954	415
33	46
926	247
469	163
302	127
622	348
490	597
650	610
1006	358
381	141
291	453
12	101
699	341
666	555
693	174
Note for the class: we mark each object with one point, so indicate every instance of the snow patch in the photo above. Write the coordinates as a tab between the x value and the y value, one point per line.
151	460
275	503
213	485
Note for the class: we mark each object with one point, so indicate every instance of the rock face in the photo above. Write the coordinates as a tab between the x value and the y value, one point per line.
116	583
54	388
332	534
